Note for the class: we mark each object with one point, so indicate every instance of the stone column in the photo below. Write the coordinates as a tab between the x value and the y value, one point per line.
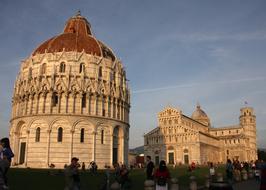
73	102
78	103
66	99
27	147
111	108
37	103
31	97
94	145
59	102
114	108
88	96
18	107
26	105
111	147
15	145
122	146
48	146
43	102
122	111
96	105
71	143
49	99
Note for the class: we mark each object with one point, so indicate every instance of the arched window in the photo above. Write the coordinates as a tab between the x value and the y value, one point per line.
43	68
81	68
54	99
82	135
60	134
62	67
102	136
100	71
83	101
38	134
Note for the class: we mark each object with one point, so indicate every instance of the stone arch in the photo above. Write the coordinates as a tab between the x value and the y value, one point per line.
84	150
63	147
19	125
76	124
57	120
118	144
19	142
33	125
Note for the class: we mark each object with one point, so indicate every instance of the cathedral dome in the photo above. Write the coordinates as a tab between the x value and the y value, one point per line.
200	116
77	36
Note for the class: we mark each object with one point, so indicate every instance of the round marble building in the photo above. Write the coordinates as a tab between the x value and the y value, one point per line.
71	98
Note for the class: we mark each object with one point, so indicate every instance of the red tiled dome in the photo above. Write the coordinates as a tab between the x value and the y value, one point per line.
77	36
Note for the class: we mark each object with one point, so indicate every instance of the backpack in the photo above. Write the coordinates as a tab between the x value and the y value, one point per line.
161	181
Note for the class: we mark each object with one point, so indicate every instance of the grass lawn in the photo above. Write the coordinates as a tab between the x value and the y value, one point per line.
42	179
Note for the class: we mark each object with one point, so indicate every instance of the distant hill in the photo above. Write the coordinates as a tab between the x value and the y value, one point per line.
138	150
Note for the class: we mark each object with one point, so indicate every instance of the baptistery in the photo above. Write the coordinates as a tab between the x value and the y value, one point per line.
71	99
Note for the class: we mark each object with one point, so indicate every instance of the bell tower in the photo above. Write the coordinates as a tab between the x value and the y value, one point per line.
247	120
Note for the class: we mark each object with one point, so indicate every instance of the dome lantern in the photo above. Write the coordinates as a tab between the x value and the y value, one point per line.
200	116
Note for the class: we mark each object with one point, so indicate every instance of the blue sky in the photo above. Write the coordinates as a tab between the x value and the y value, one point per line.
175	52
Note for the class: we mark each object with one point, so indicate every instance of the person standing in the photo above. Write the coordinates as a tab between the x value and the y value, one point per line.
229	171
161	176
72	178
263	177
8	155
212	172
149	168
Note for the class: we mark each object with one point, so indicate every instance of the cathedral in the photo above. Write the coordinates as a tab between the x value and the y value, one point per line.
180	139
71	99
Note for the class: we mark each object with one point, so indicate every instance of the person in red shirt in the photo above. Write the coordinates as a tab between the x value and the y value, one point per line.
161	176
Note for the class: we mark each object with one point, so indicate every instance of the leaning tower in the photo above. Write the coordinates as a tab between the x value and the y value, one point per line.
247	120
71	98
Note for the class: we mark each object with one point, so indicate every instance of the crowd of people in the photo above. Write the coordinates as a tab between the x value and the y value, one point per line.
160	175
6	156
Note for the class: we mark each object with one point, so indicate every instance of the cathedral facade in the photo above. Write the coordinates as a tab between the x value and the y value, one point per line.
71	98
180	139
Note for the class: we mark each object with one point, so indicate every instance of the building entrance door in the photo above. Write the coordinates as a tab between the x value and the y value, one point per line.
22	153
170	158
186	159
114	155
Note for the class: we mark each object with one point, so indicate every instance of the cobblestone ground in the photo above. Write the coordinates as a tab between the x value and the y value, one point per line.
247	185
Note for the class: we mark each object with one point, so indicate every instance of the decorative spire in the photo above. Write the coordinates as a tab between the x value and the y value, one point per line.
198	105
78	13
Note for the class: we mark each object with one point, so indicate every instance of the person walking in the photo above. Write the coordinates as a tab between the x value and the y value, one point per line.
161	176
149	168
72	179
